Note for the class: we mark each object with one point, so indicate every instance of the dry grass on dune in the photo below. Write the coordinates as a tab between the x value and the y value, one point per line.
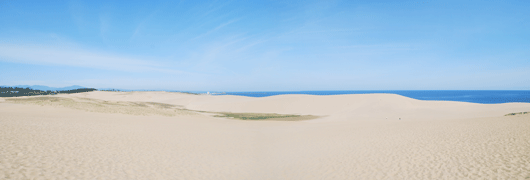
146	108
101	106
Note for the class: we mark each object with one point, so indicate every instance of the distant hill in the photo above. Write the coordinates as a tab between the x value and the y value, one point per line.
46	88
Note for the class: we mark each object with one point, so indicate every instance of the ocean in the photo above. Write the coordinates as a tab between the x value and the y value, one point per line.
473	96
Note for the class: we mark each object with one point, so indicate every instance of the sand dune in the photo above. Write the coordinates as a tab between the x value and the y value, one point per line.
160	135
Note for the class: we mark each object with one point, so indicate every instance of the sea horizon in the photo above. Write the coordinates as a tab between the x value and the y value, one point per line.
472	96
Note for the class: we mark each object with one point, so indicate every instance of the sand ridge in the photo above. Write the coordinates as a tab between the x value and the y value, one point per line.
359	137
359	105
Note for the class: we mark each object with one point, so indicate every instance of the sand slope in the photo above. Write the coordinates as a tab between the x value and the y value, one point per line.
358	137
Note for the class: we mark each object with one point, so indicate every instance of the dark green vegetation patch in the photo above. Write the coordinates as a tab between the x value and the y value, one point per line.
17	92
266	116
513	114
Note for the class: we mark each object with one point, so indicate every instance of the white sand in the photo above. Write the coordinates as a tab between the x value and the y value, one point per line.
358	137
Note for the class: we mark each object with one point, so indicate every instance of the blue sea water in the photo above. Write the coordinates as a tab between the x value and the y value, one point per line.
473	96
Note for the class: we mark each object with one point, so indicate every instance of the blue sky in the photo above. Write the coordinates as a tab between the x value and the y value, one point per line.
267	45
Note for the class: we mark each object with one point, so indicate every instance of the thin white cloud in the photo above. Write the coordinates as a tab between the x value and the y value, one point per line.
217	28
387	46
77	12
332	31
104	25
45	55
249	45
141	25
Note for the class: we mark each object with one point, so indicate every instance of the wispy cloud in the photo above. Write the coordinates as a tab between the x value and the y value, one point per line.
60	55
141	25
386	46
104	25
249	45
217	28
332	31
77	13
